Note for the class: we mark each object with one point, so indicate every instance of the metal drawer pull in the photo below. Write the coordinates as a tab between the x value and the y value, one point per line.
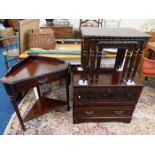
89	112
118	112
42	81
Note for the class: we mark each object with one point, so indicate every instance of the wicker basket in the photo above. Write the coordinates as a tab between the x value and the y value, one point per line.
43	38
6	33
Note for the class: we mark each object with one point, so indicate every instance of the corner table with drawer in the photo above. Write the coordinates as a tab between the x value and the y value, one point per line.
108	94
35	71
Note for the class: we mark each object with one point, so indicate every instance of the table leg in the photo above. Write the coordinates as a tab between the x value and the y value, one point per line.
98	63
131	65
127	59
39	93
92	61
6	62
85	58
120	57
67	93
13	101
136	65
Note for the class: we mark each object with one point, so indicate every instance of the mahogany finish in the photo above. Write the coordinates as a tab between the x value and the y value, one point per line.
108	99
104	94
96	113
43	105
125	39
35	71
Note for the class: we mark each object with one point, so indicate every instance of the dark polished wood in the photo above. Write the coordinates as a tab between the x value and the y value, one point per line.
113	95
120	57
121	38
35	71
92	61
96	113
123	47
13	101
107	99
43	105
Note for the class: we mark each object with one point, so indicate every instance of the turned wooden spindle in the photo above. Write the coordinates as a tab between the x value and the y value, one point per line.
92	59
98	63
85	58
131	64
142	45
138	58
129	52
119	58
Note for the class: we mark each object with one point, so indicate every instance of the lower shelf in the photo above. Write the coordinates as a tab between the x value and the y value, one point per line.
43	105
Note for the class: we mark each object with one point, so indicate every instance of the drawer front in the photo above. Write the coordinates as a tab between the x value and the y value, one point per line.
107	96
94	112
39	81
63	32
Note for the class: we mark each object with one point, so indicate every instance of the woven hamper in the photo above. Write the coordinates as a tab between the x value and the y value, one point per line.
43	38
7	33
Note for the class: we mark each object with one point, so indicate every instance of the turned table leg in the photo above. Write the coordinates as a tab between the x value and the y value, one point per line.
120	57
13	101
38	91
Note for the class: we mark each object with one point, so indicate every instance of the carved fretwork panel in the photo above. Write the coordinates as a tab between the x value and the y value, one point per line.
111	96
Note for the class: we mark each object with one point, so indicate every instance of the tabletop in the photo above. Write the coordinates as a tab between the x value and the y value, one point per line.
33	67
95	32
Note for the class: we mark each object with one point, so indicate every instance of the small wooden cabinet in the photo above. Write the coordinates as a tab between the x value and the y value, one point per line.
61	32
103	100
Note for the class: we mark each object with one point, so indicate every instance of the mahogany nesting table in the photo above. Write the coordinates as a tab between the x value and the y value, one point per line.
35	71
108	94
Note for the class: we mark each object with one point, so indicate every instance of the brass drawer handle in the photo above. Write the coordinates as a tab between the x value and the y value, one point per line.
89	112
118	112
42	81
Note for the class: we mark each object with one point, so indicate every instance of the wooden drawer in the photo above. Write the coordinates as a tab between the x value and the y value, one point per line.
63	32
107	95
24	85
98	111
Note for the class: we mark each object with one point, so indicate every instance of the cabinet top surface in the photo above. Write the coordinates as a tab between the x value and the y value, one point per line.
107	78
89	32
33	67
